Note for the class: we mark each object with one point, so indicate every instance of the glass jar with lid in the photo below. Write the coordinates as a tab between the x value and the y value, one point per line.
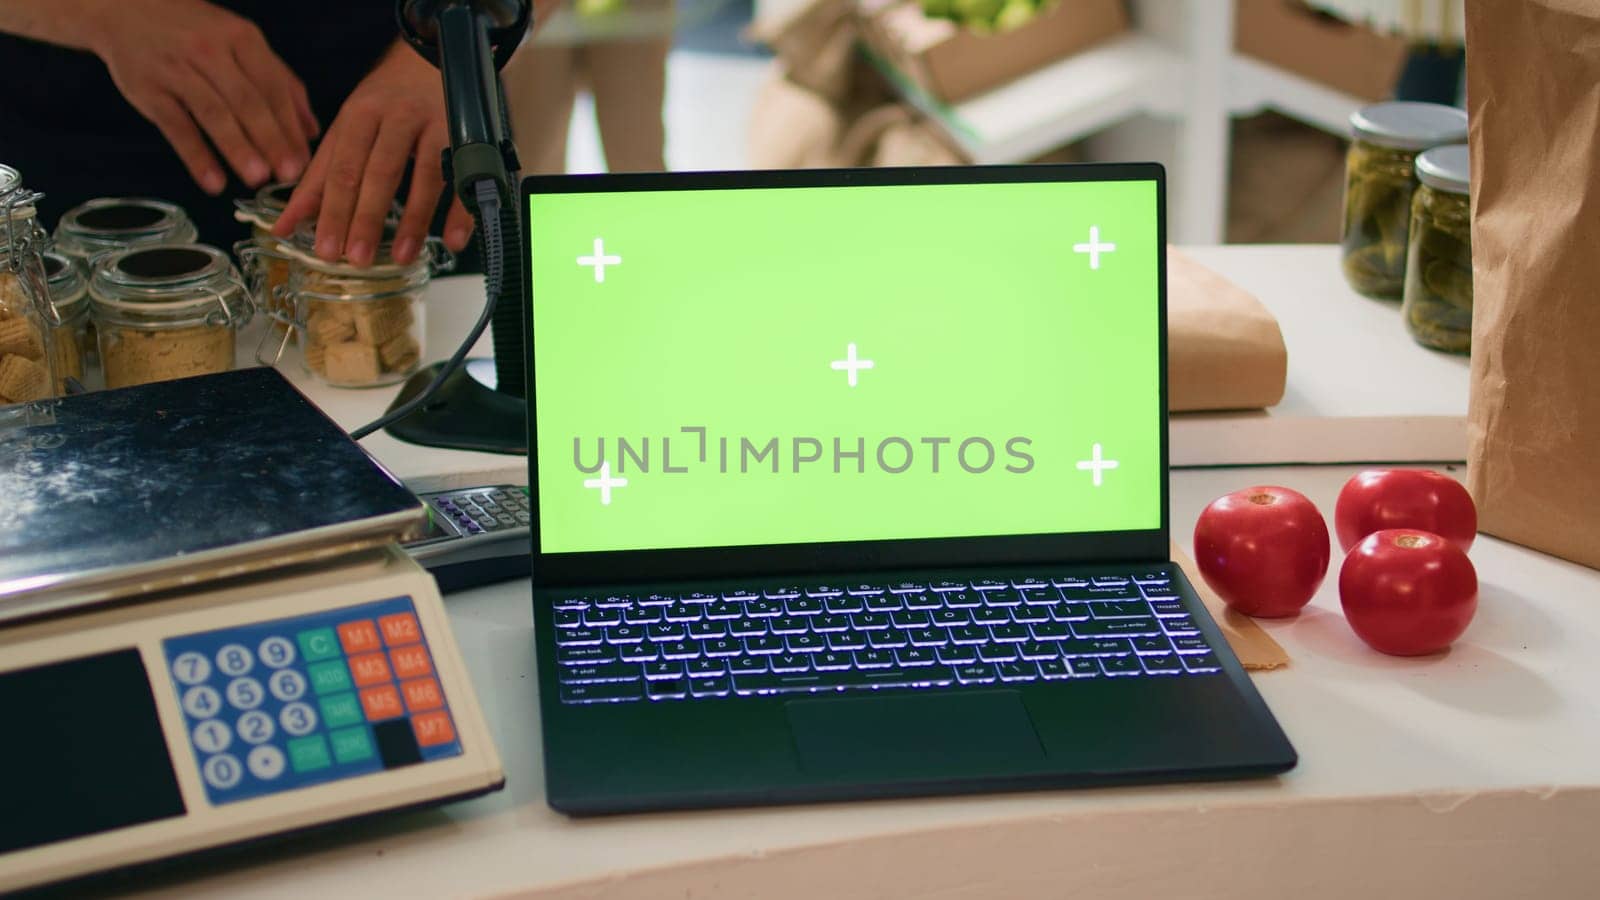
1437	306
1379	180
166	312
361	327
261	256
72	342
117	223
27	370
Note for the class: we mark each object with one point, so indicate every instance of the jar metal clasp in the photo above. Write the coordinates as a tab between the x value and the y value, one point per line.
225	313
22	255
277	314
250	261
440	259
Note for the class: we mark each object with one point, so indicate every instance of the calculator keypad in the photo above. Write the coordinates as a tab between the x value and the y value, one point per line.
484	510
296	702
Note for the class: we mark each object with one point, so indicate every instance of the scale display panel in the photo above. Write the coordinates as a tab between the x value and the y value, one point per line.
92	758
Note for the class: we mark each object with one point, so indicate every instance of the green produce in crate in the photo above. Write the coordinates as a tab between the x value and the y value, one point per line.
1015	14
977	12
987	16
600	7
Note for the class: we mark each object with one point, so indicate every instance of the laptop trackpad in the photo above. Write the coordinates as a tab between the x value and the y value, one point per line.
935	733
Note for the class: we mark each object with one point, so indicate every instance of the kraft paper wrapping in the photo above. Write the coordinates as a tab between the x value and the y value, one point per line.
1255	648
1224	349
1533	418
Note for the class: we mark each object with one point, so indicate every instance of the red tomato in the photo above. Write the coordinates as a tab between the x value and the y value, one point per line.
1405	498
1408	592
1264	550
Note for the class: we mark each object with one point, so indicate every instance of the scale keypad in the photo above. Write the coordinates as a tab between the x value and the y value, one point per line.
295	702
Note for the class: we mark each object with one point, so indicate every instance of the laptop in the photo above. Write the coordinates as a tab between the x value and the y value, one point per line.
853	484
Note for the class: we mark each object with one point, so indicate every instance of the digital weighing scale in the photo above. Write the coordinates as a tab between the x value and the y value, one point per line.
207	634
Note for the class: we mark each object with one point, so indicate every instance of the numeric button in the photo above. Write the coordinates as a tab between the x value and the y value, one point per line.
298	719
235	660
266	762
245	693
255	727
287	685
191	668
276	652
222	771
211	736
202	702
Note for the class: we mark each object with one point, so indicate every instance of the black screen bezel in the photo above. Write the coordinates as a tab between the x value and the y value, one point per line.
611	566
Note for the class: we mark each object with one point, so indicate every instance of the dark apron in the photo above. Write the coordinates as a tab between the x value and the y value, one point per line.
68	130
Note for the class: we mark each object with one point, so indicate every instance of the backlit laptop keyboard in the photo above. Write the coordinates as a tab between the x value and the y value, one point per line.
813	638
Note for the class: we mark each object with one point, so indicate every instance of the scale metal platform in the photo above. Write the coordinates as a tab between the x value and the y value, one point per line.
207	633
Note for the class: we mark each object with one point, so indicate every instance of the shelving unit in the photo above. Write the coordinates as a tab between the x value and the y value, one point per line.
1178	67
1254	85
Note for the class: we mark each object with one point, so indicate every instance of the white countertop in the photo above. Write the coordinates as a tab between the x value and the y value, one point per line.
1359	389
1510	708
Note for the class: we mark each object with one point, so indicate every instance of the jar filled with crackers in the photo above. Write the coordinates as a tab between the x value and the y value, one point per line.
262	257
1380	177
27	370
361	327
72	342
118	223
166	312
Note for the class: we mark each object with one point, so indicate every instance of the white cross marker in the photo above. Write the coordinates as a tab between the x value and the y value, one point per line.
1094	248
1097	465
850	363
605	483
599	260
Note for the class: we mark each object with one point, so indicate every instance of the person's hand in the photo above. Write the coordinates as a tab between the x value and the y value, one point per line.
395	116
191	67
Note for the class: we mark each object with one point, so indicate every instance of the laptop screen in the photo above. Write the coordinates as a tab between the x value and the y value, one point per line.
744	366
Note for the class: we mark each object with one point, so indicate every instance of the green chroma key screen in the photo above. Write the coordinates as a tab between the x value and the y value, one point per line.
735	367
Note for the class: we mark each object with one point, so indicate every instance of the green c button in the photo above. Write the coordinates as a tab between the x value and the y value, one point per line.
318	643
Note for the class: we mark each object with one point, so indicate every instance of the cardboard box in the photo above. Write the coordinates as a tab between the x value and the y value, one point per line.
952	63
1345	56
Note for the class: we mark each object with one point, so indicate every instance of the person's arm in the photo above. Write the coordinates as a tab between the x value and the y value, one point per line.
396	115
196	71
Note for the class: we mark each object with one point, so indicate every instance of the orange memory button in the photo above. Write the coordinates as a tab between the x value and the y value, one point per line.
422	694
369	669
411	662
359	637
400	628
381	703
433	728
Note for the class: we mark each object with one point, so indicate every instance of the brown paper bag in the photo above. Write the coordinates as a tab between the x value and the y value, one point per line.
1224	350
816	40
1533	459
791	127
